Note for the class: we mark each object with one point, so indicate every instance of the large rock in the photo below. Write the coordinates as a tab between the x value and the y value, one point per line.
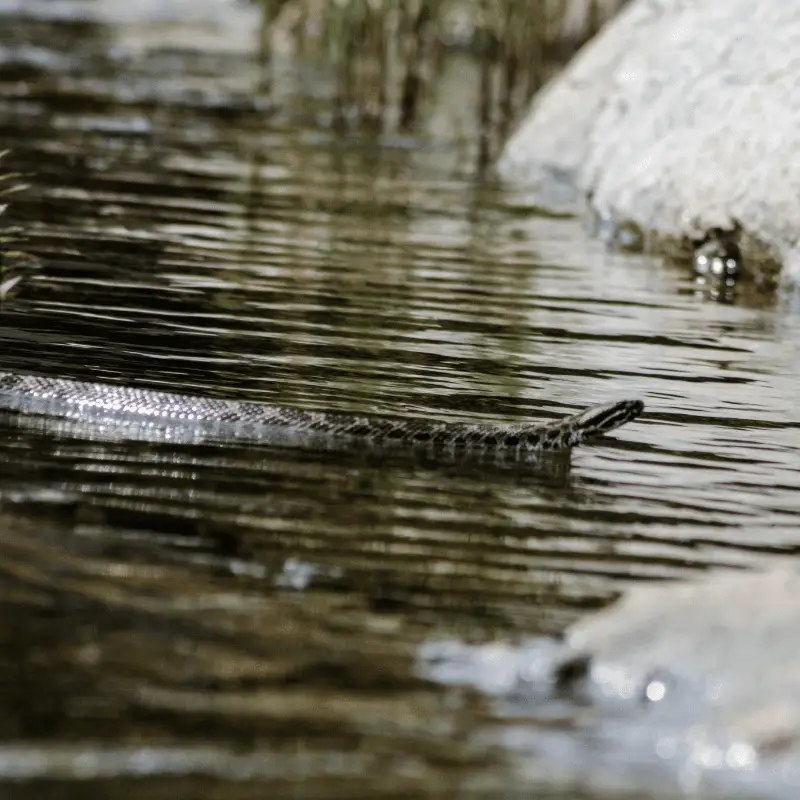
721	656
691	684
680	117
734	635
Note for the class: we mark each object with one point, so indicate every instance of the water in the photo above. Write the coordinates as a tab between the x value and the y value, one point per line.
235	617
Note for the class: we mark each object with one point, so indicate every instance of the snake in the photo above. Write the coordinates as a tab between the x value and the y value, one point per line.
200	418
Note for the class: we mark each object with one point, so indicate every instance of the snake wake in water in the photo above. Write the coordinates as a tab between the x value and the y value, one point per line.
208	418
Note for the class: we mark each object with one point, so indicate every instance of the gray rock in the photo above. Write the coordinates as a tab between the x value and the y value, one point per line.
692	686
724	650
679	118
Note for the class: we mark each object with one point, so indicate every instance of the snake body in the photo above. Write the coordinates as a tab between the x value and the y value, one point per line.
209	418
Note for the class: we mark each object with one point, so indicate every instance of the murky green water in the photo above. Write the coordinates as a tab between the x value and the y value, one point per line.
232	620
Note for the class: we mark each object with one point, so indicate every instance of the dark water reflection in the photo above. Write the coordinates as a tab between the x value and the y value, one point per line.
251	613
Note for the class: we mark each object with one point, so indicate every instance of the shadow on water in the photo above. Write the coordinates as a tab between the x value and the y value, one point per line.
220	618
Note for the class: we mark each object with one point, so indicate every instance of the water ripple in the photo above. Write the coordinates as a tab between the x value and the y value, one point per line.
251	255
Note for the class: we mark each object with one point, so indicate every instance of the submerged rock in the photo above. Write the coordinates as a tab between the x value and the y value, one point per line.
679	118
735	632
690	686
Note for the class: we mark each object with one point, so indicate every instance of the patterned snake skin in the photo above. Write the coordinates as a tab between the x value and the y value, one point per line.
227	420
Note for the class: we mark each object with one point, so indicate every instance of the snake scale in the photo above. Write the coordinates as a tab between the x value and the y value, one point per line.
231	420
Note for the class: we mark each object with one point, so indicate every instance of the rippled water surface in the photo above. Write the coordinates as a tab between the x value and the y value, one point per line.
197	615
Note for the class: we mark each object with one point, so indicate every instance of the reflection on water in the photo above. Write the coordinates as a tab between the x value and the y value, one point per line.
252	613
